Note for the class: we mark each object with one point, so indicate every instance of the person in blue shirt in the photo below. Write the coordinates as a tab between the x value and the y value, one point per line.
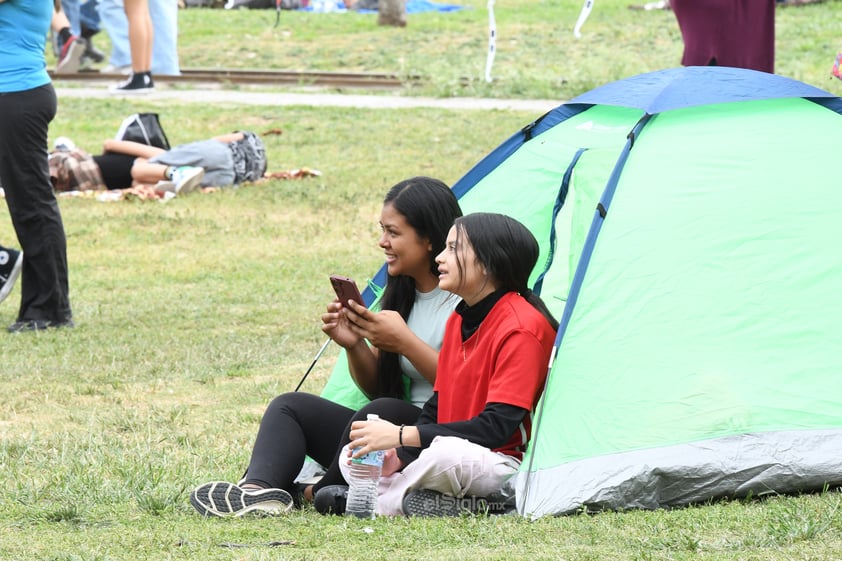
27	106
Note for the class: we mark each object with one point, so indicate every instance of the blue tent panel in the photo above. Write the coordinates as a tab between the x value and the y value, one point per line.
676	88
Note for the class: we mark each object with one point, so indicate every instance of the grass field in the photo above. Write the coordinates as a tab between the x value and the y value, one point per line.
537	55
192	315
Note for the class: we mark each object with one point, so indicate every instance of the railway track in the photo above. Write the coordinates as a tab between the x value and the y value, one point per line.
259	77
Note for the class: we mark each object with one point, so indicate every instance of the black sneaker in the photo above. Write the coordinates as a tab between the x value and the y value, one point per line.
424	502
25	325
220	498
92	53
11	262
137	83
331	499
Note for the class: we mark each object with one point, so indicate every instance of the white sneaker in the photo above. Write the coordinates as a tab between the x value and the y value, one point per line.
165	187
187	179
71	56
11	262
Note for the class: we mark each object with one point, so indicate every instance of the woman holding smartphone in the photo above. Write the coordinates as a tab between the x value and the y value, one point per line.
391	353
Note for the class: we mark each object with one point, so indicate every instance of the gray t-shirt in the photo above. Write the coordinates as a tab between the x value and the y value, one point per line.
426	320
212	155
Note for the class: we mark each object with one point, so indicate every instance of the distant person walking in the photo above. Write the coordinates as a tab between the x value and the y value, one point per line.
140	45
27	106
74	27
164	14
70	48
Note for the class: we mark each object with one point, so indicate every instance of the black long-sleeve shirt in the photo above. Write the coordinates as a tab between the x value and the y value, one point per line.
492	428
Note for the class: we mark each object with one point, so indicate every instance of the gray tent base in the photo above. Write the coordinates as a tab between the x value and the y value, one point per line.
735	466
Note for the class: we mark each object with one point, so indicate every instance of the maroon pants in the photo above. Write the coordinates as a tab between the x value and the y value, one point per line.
738	33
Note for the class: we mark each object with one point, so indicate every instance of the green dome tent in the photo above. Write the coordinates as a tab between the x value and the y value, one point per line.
689	221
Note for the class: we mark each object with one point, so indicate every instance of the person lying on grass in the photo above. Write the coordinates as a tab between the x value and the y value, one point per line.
220	161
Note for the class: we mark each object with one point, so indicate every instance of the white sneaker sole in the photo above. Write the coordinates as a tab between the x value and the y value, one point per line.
139	91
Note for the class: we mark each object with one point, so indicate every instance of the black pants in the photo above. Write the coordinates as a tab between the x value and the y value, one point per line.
25	177
296	425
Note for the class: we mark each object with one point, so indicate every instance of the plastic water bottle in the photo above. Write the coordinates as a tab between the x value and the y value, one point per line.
365	478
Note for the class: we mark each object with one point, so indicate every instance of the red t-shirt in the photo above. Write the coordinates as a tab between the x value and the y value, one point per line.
504	361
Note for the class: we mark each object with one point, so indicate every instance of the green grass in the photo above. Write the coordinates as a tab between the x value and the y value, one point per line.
192	315
537	55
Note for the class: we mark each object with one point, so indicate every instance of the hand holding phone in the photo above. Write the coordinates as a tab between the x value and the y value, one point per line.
346	289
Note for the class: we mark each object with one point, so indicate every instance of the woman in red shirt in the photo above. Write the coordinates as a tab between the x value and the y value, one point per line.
472	432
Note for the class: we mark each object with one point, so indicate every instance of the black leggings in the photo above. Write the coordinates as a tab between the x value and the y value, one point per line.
296	425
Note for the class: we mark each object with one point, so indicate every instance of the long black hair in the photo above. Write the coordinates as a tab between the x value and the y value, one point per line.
507	250
429	207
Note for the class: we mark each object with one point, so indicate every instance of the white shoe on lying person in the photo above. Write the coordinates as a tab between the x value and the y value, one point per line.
187	179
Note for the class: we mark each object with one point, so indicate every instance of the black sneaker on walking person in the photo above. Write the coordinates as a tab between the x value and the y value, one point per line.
137	83
220	498
92	54
11	262
70	55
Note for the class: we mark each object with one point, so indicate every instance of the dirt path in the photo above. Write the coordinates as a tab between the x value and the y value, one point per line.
224	97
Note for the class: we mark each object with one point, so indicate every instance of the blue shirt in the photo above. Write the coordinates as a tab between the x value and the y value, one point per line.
24	25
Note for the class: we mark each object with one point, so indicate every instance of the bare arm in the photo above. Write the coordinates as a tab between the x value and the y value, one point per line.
362	363
59	20
230	137
131	148
362	360
387	331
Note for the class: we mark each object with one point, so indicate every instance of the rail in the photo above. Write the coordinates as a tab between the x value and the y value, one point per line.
260	77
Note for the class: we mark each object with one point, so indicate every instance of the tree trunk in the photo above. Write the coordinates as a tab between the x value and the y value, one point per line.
391	12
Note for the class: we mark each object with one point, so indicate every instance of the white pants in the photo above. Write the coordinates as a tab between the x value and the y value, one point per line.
450	465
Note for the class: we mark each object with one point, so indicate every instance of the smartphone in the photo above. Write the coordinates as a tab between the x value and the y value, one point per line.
346	289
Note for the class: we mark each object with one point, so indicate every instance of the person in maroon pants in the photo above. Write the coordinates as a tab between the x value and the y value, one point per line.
738	33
